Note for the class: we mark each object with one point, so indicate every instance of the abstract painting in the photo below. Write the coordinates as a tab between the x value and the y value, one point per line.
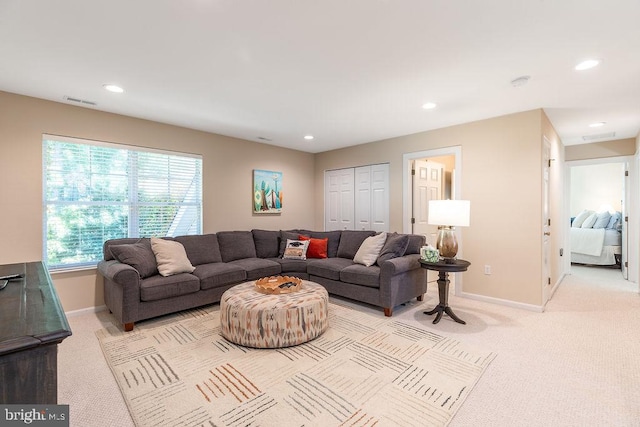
267	192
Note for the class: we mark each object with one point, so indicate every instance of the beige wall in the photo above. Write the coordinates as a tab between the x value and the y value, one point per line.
597	150
595	185
501	176
227	180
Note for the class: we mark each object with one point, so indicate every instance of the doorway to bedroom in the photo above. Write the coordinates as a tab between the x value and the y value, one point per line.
598	208
430	175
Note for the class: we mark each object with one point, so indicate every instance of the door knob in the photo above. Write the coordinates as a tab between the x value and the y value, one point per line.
547	233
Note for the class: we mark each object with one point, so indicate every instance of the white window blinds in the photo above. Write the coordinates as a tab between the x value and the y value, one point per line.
94	191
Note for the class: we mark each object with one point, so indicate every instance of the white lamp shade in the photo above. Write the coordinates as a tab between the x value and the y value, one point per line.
449	212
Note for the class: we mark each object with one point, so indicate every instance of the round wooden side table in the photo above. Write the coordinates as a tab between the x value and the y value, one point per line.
444	268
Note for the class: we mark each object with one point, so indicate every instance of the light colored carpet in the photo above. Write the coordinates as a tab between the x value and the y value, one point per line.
576	364
365	370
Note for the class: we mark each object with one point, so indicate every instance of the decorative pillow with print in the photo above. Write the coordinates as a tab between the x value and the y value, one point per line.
296	249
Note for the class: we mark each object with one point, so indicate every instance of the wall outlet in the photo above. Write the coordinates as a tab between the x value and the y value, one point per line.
487	269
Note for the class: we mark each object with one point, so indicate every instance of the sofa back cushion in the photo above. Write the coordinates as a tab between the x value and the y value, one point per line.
138	255
236	245
416	241
395	246
201	249
350	241
267	243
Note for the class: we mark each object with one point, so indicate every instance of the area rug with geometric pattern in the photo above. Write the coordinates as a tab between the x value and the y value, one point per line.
364	370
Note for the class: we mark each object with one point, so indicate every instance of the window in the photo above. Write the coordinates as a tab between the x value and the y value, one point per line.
95	191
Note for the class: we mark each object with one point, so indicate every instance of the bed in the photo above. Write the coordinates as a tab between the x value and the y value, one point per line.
596	242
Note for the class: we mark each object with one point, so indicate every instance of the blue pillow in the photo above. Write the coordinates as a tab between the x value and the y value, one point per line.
614	220
602	220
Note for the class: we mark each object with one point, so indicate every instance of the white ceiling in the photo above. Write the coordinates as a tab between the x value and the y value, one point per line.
346	71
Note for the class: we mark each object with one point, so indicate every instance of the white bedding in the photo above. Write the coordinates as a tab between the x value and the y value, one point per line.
587	241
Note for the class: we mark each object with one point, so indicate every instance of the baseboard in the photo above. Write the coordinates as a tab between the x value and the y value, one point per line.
556	286
499	301
85	311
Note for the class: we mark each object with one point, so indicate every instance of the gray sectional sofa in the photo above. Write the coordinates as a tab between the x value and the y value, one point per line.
134	290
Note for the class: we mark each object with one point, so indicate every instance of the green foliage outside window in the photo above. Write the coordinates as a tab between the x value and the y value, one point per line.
93	193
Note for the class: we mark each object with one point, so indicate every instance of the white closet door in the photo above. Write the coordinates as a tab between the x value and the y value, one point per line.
363	198
379	218
339	199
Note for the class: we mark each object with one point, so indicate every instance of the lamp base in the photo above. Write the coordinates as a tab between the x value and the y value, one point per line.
447	244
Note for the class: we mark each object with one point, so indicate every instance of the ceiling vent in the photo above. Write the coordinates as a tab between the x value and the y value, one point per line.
79	101
599	136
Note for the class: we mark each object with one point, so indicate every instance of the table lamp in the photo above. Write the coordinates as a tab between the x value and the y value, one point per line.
447	214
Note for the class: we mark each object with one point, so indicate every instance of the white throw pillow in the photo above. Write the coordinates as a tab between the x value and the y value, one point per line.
296	249
577	222
370	249
591	219
171	257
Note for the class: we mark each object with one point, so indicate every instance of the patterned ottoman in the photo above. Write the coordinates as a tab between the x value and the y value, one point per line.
253	319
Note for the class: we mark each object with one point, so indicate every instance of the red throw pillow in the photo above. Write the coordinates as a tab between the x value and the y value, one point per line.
317	247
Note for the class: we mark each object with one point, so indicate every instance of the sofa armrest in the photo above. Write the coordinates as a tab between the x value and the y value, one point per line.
118	272
399	265
121	289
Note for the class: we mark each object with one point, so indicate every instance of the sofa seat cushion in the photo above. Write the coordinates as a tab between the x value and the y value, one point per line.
359	274
291	265
158	287
219	274
328	268
258	267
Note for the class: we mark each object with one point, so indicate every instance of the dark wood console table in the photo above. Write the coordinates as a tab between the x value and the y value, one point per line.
32	324
444	268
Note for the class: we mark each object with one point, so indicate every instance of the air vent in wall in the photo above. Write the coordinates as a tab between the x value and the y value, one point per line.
79	101
599	136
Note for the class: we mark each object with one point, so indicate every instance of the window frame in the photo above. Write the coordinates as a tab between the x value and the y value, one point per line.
131	200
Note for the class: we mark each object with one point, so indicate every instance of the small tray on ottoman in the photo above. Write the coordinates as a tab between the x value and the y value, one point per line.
275	285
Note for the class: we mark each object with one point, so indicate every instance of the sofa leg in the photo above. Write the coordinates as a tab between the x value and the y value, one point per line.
128	327
387	311
421	297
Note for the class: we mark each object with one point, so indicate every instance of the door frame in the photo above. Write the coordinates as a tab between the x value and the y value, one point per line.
407	195
629	207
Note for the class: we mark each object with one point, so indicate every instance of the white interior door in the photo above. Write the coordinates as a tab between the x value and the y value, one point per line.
339	199
546	221
380	197
363	198
625	222
428	184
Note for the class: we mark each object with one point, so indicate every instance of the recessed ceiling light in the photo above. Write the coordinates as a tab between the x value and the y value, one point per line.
597	124
309	137
113	88
429	105
589	63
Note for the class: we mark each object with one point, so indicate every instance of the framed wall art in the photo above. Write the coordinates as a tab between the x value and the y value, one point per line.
267	192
